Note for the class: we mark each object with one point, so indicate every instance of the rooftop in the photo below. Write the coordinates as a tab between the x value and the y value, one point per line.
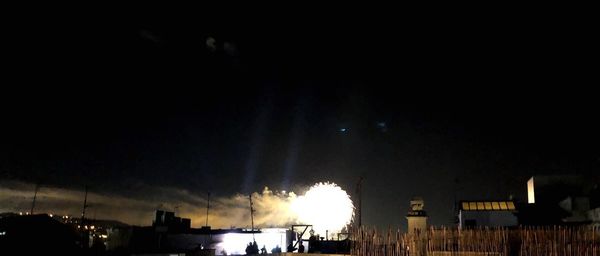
487	206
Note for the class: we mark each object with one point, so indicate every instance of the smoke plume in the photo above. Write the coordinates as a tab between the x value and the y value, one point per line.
272	209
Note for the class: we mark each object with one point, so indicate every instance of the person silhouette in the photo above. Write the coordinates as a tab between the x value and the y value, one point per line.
277	249
263	250
249	249
291	247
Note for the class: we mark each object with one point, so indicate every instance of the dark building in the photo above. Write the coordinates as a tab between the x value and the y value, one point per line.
560	199
38	235
168	222
495	213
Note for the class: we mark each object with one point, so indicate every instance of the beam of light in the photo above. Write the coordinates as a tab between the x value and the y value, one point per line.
296	138
256	147
326	206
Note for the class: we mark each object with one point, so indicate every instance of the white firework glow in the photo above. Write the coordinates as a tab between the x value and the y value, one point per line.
326	206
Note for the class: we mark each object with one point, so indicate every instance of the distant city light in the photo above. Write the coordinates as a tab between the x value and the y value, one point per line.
51	215
92	227
104	236
20	213
343	130
3	233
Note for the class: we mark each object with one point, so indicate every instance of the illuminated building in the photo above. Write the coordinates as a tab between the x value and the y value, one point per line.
494	213
417	217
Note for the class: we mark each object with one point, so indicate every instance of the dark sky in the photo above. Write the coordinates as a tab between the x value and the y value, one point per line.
426	100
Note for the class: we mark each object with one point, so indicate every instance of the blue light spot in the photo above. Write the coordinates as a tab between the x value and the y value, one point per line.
382	126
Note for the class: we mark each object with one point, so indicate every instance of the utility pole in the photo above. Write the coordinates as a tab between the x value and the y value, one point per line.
37	187
85	205
252	216
207	207
84	234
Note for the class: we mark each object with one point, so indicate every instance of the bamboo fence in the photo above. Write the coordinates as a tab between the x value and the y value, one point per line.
522	241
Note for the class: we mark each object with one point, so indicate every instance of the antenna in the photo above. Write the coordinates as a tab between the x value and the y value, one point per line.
85	205
37	187
252	215
207	207
455	208
176	210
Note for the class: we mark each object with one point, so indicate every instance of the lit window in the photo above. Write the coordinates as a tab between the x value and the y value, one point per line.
472	206
511	205
488	206
465	206
495	206
530	191
480	206
503	206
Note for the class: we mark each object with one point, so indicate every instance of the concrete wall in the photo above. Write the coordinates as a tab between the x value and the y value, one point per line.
594	216
489	218
416	222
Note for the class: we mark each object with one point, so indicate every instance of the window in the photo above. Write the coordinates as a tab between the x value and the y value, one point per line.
511	205
472	206
465	206
480	206
495	206
503	206
488	206
470	223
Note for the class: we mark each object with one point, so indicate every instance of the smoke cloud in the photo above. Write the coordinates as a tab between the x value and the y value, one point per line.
272	209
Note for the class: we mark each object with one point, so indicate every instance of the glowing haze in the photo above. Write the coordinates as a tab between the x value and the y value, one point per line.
326	206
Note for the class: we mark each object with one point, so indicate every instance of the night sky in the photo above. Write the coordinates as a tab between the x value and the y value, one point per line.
419	105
